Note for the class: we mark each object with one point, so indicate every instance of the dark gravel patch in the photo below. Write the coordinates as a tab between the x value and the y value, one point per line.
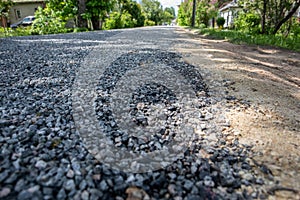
41	152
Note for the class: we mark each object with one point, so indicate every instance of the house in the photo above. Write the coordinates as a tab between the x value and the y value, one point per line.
297	14
229	12
21	9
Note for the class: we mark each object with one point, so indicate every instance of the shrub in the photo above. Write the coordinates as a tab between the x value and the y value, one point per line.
201	26
248	22
47	22
116	20
220	22
20	31
149	22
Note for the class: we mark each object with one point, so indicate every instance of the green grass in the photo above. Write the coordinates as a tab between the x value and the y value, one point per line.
292	43
8	32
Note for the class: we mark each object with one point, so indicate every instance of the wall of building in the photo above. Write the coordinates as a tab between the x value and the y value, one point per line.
19	11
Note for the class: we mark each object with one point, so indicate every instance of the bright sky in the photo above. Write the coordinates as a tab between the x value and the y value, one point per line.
170	3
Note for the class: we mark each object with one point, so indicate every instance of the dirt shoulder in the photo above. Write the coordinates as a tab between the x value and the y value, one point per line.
262	85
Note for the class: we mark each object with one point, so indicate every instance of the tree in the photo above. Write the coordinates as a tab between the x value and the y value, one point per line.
171	10
137	14
169	15
274	14
204	11
65	10
97	11
289	14
5	5
81	21
185	13
53	18
153	11
126	14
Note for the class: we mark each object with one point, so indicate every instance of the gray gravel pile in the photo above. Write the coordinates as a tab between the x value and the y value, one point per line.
43	157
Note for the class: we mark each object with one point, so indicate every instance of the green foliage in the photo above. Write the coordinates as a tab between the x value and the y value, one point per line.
64	10
8	32
126	14
171	10
53	18
201	26
117	20
47	22
205	10
220	21
168	16
97	10
248	22
185	13
274	14
127	20
114	21
5	5
291	28
149	23
292	43
136	12
153	11
76	30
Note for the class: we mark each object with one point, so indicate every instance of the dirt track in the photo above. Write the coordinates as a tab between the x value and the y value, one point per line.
264	83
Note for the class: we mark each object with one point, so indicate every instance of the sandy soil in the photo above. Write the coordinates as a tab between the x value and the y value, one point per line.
265	112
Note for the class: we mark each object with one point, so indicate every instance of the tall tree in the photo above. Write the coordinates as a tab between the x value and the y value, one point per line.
289	14
185	13
169	15
273	13
125	14
81	21
5	5
194	13
153	10
97	11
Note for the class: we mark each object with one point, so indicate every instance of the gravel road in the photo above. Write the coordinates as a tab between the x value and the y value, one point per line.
115	115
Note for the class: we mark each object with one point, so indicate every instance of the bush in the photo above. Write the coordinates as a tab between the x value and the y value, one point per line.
20	31
149	22
220	22
248	22
46	22
201	26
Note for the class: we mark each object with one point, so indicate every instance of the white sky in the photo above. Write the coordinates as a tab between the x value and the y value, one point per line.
170	3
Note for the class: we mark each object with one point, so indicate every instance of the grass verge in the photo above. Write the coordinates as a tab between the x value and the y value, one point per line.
9	32
292	43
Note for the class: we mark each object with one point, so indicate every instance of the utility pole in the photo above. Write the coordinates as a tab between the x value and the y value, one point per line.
194	13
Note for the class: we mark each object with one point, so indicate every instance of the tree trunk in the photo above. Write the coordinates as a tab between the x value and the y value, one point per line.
96	22
194	13
82	23
288	16
263	23
4	22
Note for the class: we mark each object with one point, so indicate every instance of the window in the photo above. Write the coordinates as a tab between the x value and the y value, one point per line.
18	14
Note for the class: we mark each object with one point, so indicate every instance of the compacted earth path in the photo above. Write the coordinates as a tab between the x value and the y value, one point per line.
148	113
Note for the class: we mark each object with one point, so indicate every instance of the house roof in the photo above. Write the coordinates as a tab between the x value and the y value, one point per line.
232	4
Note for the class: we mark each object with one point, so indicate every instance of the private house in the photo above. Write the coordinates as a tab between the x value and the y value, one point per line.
297	14
229	12
21	9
